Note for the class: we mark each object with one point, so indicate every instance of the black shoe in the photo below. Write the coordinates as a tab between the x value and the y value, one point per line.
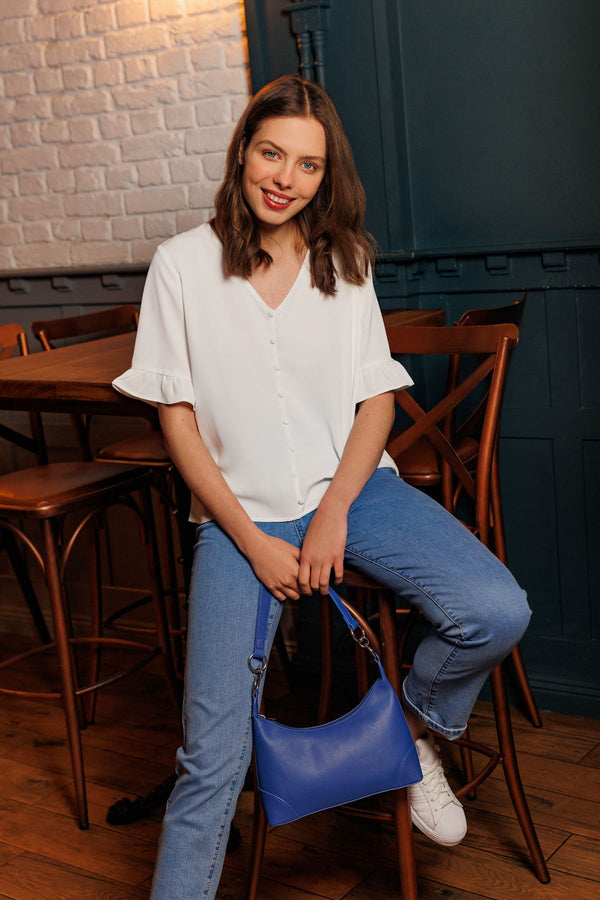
125	811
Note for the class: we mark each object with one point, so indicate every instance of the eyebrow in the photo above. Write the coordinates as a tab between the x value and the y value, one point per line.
281	150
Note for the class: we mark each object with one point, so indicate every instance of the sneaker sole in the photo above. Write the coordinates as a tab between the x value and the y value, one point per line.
428	832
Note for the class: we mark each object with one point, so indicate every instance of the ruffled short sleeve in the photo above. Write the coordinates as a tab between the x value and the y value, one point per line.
381	376
376	370
160	369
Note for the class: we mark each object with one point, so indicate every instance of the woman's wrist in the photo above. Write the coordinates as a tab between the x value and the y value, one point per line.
249	539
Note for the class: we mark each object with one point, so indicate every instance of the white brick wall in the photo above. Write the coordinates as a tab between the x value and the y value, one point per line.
114	120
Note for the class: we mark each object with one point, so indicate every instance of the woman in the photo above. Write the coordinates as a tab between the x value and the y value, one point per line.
262	343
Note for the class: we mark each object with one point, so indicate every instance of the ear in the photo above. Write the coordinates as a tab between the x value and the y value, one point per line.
241	152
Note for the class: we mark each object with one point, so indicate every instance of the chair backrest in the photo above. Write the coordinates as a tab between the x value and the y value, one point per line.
89	326
77	329
490	346
13	342
497	315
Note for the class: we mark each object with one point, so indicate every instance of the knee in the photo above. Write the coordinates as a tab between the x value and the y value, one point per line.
504	621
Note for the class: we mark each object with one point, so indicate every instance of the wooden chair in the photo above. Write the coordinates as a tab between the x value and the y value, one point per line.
63	501
491	346
147	450
422	465
10	344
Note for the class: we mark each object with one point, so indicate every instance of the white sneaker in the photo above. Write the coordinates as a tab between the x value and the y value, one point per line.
433	807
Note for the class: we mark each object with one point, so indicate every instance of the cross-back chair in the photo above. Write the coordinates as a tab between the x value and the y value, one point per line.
423	466
60	502
491	347
146	449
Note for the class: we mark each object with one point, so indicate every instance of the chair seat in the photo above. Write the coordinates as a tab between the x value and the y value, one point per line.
57	488
422	462
143	449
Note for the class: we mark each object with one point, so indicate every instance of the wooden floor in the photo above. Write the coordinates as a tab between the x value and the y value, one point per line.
44	856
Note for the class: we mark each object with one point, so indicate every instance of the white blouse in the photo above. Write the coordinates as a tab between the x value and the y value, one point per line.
274	391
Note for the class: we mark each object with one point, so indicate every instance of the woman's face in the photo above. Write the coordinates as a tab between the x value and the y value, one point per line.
284	164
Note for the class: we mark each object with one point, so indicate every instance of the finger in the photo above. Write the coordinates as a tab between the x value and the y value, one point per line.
304	579
320	578
338	571
324	581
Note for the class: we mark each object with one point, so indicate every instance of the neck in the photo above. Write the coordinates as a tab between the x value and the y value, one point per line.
283	241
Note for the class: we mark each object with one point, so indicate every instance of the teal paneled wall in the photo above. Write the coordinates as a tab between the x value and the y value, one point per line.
503	121
474	125
476	130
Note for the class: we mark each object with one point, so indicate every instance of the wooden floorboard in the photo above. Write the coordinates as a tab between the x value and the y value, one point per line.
330	856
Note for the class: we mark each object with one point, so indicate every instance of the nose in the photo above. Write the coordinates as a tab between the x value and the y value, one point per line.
283	177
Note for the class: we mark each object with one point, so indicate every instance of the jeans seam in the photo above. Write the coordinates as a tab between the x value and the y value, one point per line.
234	784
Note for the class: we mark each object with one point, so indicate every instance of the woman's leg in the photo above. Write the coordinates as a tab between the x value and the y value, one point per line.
217	740
476	609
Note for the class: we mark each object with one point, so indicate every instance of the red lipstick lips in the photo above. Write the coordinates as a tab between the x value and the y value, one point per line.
275	200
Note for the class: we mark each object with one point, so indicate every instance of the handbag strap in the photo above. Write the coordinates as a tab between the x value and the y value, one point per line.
257	661
262	618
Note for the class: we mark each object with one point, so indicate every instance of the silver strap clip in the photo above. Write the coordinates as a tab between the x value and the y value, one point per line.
257	670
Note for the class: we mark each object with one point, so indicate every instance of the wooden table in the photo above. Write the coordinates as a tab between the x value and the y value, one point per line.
76	379
79	378
414	317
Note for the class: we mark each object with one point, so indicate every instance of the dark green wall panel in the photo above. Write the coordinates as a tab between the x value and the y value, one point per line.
502	120
527	477
588	320
591	464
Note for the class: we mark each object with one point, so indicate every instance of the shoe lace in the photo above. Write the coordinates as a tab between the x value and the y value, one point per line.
436	785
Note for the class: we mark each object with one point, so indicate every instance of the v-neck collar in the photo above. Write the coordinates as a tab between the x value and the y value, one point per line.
274	309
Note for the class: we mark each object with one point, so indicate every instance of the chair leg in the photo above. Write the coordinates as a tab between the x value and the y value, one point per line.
65	660
502	554
95	619
158	600
525	688
286	664
326	661
511	772
257	849
391	664
362	672
466	758
405	845
171	581
22	574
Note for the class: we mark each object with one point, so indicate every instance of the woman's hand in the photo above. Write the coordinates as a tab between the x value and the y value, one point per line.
324	546
276	564
323	549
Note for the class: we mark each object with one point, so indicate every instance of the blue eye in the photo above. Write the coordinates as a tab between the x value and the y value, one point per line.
270	154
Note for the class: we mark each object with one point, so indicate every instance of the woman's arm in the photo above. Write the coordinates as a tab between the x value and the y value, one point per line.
325	541
275	562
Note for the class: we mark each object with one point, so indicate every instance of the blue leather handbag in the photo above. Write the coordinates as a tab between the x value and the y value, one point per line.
367	751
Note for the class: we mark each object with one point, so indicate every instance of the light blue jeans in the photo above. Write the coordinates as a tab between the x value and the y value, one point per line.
409	543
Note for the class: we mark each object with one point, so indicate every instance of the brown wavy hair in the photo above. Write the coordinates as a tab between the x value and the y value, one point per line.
331	225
